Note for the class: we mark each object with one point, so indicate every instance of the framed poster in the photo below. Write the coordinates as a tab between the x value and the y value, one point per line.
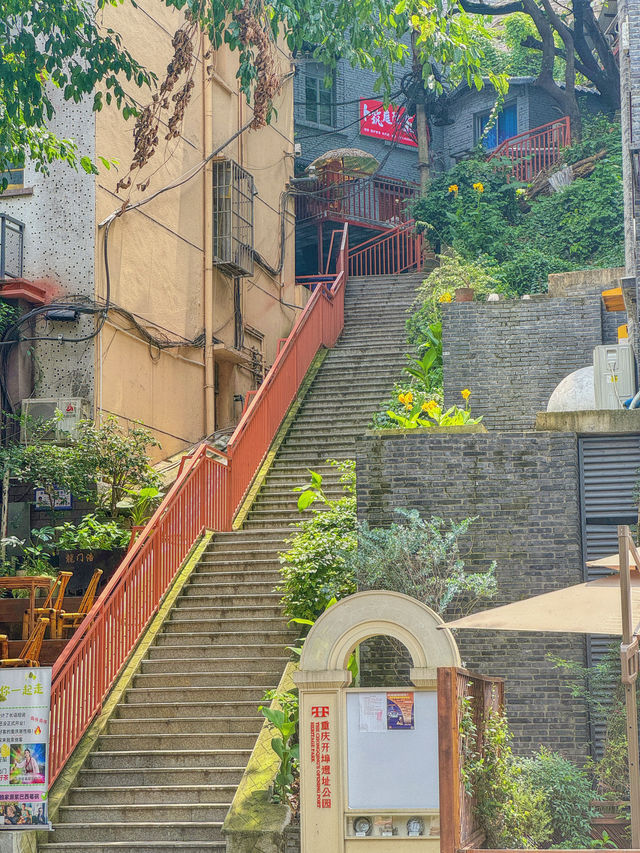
24	747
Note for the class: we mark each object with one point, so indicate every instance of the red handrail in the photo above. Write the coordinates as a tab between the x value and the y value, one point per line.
207	492
393	251
536	149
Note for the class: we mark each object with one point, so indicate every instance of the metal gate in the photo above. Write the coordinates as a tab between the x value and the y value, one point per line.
609	472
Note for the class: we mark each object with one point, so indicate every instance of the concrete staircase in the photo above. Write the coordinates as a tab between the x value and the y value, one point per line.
163	775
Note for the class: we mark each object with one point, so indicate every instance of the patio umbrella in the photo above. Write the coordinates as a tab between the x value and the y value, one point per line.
353	160
608	605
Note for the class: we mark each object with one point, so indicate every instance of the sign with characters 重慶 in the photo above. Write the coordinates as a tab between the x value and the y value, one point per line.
24	747
390	122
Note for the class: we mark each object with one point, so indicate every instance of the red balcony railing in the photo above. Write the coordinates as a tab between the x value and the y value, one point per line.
536	149
367	199
393	251
206	494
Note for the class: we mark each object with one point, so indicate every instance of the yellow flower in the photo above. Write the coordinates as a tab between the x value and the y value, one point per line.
401	398
408	397
446	297
479	188
431	407
453	188
465	394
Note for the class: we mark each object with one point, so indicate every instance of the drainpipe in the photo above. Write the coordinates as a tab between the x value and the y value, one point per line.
207	278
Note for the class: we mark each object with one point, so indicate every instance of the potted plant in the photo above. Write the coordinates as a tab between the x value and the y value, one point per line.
92	544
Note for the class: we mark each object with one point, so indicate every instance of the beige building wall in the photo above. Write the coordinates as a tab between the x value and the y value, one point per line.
160	259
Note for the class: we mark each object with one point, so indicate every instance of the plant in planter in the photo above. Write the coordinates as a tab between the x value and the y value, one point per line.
90	545
140	504
285	720
430	414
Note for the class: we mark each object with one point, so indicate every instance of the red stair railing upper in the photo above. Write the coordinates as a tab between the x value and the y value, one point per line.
536	149
206	494
393	251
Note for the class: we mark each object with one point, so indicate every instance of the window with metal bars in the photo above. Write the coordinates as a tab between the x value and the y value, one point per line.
233	192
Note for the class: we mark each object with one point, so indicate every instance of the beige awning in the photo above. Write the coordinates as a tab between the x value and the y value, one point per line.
587	608
612	561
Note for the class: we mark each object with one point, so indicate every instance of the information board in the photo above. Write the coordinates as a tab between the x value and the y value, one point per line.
24	747
392	749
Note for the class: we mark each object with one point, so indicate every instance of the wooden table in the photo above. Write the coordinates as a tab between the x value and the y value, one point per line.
31	583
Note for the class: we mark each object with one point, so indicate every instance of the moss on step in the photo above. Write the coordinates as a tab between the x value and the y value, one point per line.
252	815
67	777
263	470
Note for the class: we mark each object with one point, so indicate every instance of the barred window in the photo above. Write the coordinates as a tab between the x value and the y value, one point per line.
233	191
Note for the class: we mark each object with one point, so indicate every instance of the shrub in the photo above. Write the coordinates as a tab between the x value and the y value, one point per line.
568	791
315	567
420	558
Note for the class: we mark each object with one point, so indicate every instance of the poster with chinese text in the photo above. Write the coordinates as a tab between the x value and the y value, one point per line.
400	710
24	747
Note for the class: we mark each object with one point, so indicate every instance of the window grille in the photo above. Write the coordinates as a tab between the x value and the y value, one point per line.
233	192
11	240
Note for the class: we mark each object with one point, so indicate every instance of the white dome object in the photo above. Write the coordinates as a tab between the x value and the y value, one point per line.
493	297
575	393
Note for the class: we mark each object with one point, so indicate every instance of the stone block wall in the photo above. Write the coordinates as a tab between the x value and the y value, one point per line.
523	488
513	353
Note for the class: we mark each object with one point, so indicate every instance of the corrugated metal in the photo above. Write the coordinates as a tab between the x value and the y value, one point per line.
609	466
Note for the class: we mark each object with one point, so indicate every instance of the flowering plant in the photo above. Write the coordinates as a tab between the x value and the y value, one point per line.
430	413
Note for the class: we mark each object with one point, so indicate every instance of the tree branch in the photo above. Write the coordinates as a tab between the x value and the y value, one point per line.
479	8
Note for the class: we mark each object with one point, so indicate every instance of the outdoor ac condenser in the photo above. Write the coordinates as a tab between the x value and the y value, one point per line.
614	375
38	409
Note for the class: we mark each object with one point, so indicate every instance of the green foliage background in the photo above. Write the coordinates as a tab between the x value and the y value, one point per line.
520	243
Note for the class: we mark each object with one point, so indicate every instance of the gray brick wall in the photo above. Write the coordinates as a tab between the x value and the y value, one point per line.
523	487
591	283
513	353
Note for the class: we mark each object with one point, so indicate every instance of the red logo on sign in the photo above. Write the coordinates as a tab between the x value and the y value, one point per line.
70	408
319	711
388	122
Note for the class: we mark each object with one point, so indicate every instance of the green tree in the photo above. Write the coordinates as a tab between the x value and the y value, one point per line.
61	46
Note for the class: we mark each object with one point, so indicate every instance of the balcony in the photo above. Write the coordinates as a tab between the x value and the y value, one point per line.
376	201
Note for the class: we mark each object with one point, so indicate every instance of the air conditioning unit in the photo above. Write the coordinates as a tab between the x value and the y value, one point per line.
38	409
613	375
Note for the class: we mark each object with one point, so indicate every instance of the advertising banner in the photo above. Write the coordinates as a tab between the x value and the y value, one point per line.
388	122
24	747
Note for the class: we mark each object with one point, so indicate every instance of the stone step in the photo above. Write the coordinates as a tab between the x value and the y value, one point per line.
218	652
185	725
167	759
223	602
191	741
191	608
133	846
175	679
128	813
189	625
144	794
211	585
219	639
219	575
183	695
158	710
108	778
166	831
207	664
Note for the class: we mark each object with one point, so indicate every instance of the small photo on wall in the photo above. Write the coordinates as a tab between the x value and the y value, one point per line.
27	764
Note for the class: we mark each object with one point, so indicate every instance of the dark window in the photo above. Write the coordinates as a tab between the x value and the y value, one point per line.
14	177
505	126
319	101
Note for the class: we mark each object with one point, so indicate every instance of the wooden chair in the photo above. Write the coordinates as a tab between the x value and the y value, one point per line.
30	654
72	620
51	607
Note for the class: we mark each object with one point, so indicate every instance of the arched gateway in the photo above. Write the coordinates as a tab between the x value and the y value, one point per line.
369	757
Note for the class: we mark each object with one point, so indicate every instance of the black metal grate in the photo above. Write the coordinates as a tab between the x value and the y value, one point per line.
11	243
233	192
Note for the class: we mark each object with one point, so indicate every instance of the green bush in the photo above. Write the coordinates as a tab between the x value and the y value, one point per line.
569	793
519	243
421	558
315	567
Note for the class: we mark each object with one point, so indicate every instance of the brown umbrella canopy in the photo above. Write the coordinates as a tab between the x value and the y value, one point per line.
587	608
348	160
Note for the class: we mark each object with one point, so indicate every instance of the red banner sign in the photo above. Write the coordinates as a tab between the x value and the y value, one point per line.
321	754
388	122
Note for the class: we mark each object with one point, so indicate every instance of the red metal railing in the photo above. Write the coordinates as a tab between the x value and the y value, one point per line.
393	251
536	149
367	199
207	492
